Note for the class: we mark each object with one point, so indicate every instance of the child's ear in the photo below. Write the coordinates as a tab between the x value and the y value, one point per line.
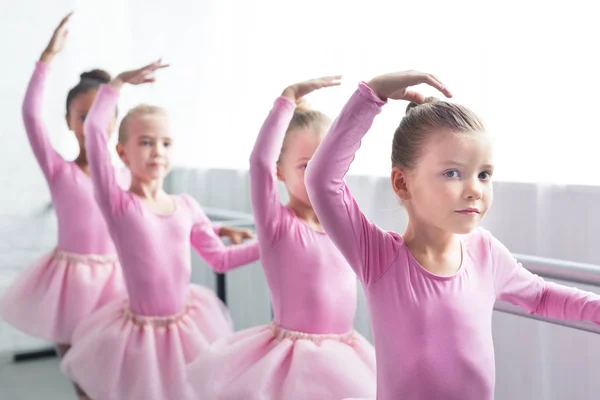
400	184
68	121
121	152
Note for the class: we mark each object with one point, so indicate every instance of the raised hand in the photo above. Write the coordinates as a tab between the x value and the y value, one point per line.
298	90
396	85
138	76
58	40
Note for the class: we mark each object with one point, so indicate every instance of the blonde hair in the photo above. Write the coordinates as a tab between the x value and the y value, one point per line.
304	117
141	110
422	120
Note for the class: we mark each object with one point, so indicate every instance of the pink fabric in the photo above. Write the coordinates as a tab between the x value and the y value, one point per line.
54	294
268	363
313	293
118	357
432	334
70	187
110	359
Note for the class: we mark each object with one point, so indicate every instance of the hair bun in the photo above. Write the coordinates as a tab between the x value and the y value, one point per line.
98	75
302	105
414	104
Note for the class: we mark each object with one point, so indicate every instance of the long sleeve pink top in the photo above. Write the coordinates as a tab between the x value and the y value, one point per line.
71	189
433	335
312	287
154	249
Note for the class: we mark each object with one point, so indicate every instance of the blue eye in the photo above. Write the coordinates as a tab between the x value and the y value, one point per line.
146	143
485	175
452	174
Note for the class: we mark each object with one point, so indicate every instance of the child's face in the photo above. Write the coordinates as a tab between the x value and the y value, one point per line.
78	110
147	149
451	187
300	147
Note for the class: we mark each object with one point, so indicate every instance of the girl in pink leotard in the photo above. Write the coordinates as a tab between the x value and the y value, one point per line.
431	291
310	351
139	349
82	273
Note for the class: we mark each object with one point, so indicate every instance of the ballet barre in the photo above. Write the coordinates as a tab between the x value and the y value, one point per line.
518	311
570	271
219	214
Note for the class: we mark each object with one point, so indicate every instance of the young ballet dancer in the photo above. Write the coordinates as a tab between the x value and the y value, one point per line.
139	349
432	290
310	351
82	273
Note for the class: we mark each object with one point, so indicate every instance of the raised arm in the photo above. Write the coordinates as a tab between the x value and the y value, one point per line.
49	160
368	249
108	192
109	195
210	247
266	205
263	160
518	286
363	244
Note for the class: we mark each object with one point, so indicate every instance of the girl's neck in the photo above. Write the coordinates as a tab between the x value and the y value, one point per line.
437	251
430	240
304	212
152	194
151	190
82	162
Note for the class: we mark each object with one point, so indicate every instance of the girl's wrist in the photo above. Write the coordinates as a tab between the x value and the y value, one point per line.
117	83
47	57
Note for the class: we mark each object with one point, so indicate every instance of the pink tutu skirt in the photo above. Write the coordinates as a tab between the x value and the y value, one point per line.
272	363
118	355
52	297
